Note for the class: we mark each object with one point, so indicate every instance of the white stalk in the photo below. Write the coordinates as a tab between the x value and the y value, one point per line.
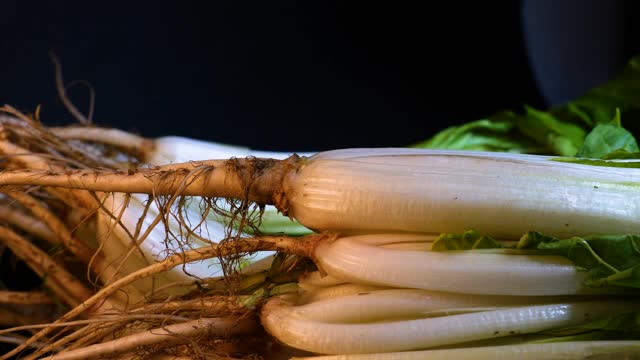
331	338
314	280
337	291
411	246
390	238
573	350
453	271
368	305
502	195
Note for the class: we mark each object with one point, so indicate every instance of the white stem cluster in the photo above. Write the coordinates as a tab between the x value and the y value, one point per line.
388	293
407	319
352	259
570	350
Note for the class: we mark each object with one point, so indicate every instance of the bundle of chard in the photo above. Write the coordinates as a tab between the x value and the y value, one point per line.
516	235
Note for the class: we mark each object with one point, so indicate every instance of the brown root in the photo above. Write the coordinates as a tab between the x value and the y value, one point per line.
167	335
62	91
61	179
134	145
63	284
299	246
24	297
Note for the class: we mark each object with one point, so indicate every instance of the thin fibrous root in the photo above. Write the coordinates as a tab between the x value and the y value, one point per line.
303	246
94	260
258	180
135	145
23	158
73	337
24	297
28	134
209	304
62	283
96	335
76	247
62	91
107	319
29	224
167	335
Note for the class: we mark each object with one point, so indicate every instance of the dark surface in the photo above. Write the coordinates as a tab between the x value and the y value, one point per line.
302	75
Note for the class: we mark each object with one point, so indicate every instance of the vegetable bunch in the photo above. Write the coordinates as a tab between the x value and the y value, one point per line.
394	253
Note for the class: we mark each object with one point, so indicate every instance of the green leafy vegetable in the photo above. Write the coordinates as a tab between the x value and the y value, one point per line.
559	137
599	105
561	130
499	135
609	141
609	259
596	162
271	223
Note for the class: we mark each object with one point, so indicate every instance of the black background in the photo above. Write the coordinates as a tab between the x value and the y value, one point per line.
308	75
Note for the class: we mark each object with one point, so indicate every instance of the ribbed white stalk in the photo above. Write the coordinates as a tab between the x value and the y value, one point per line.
574	350
332	338
454	271
387	304
387	238
333	292
503	195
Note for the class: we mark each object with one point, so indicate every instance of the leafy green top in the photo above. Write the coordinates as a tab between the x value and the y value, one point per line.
559	131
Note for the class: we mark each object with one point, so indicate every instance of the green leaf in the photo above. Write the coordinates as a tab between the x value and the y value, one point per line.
574	110
271	223
609	141
274	223
622	154
252	300
288	288
562	138
600	104
532	239
608	259
468	240
604	163
481	135
627	278
558	131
